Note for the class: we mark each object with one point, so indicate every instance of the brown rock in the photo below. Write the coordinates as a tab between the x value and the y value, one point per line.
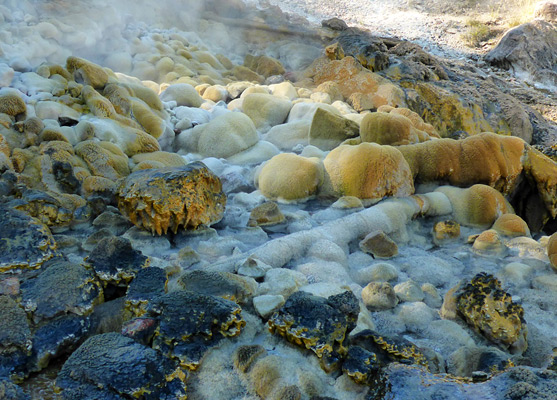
511	225
444	231
378	244
159	200
266	214
552	251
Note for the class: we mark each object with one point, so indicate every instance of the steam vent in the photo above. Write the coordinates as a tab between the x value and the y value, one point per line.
272	200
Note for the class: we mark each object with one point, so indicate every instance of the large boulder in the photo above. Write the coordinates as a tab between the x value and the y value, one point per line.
392	129
167	198
529	51
328	130
266	110
368	171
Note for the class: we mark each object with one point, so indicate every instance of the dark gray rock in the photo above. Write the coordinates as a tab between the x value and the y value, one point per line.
111	366
115	261
63	287
10	391
24	241
190	323
148	284
530	52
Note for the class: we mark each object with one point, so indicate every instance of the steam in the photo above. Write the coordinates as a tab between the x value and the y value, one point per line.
110	32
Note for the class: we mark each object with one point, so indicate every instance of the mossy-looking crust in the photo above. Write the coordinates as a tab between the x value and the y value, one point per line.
317	323
112	366
190	323
165	199
24	241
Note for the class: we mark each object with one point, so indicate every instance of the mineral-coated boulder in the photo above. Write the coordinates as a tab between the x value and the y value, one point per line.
328	130
169	198
86	72
115	261
190	323
317	323
221	284
24	241
148	284
61	288
112	366
552	251
490	311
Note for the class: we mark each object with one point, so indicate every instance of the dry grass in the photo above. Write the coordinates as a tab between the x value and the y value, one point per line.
476	33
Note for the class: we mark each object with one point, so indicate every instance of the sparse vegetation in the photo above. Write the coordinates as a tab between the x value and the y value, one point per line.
477	32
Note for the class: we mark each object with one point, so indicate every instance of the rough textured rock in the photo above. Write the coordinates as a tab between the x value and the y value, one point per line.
115	261
511	225
111	366
489	243
353	171
379	296
167	198
190	323
10	391
546	10
62	288
24	241
220	284
530	51
318	324
444	231
13	105
290	177
266	110
147	284
361	365
492	313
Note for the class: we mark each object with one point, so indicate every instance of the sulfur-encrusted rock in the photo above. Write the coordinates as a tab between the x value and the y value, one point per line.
167	198
317	323
24	241
63	287
491	312
104	159
368	171
115	261
266	214
445	231
112	366
511	225
361	365
221	284
190	323
148	284
389	348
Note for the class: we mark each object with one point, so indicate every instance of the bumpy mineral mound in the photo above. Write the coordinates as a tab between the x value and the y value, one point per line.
167	198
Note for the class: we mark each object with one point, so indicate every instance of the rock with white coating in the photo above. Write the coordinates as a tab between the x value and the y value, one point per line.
267	304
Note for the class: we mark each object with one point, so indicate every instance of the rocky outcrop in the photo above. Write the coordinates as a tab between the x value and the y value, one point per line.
530	52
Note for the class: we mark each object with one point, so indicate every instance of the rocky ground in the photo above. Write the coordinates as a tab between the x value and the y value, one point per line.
228	200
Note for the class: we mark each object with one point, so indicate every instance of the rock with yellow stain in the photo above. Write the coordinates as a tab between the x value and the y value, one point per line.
541	171
149	121
5	153
148	284
445	231
367	171
104	159
191	323
266	110
119	96
111	365
86	72
264	65
392	129
414	117
486	158
511	225
25	242
172	197
552	251
489	243
164	158
490	311
13	105
290	177
477	206
317	323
